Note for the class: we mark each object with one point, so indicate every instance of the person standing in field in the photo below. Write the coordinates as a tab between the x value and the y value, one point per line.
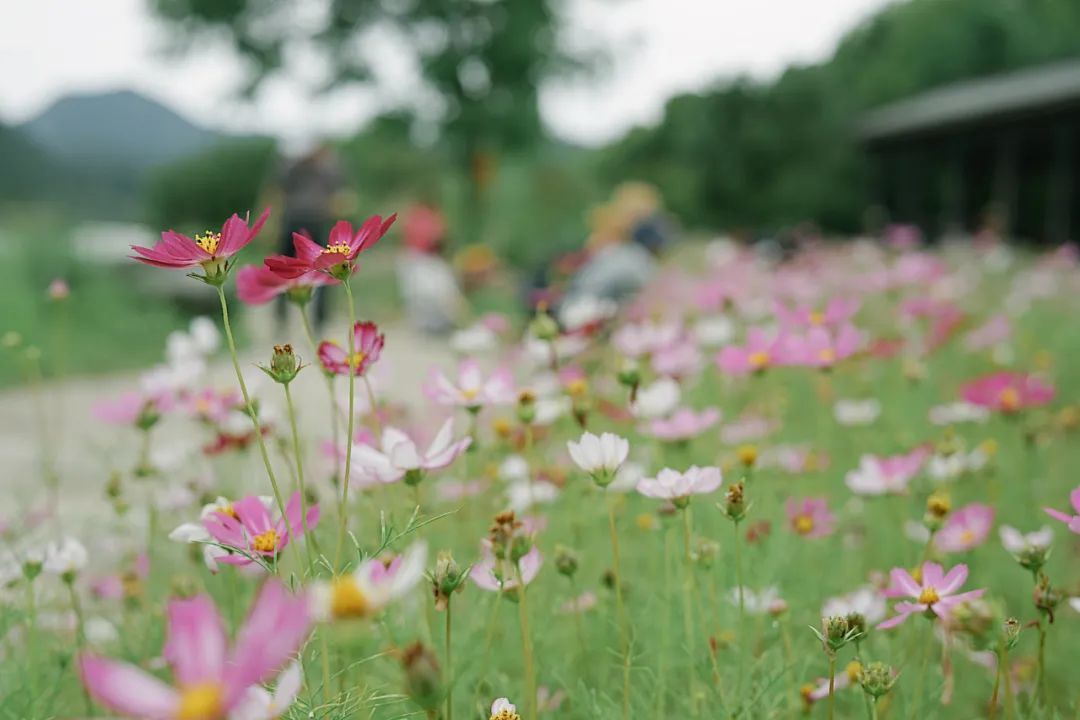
429	288
314	193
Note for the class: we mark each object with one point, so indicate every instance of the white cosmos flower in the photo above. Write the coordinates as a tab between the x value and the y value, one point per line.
757	602
581	312
599	455
68	556
1019	543
856	412
522	495
657	400
474	340
865	601
260	704
674	485
372	587
503	709
958	412
714	331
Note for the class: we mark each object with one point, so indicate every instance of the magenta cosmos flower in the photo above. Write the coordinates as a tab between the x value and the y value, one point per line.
684	424
761	352
342	248
367	347
810	517
247	526
1073	521
471	390
210	250
258	284
838	311
935	594
821	347
210	680
966	528
1007	392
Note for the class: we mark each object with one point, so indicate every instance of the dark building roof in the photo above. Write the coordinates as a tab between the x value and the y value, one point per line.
977	102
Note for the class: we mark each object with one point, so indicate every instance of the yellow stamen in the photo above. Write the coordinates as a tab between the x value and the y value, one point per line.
470	393
506	715
967	537
356	359
759	359
208	241
827	355
204	701
928	596
228	510
1009	399
577	388
803	524
337	249
346	599
853	669
817	318
265	542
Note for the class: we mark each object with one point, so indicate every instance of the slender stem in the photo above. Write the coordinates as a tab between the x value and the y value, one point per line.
688	608
1009	698
742	607
254	416
526	647
449	666
31	638
992	711
350	425
1040	686
620	609
80	634
325	664
299	457
579	628
873	709
375	419
832	684
335	412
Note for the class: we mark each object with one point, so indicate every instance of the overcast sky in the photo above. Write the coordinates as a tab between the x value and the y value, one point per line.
49	48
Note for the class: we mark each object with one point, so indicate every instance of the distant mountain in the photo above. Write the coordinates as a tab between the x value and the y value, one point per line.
116	129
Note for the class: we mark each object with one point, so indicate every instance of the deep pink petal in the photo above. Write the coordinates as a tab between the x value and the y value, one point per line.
195	646
126	689
275	628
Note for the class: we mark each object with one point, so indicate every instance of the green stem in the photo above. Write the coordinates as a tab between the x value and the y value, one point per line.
1040	686
832	685
254	416
335	413
688	608
620	609
80	634
742	608
350	428
1009	698
526	647
299	457
992	711
449	666
873	709
32	643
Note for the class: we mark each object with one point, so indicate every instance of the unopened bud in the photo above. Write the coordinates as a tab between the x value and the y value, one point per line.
706	551
59	290
11	340
735	502
447	579
284	364
1010	633
938	506
877	679
423	678
526	407
1046	597
629	374
748	455
543	326
566	561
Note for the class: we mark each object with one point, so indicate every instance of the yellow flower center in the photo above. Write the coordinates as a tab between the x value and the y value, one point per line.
759	359
817	318
228	510
928	596
748	454
853	669
967	537
204	701
577	388
356	359
803	524
336	249
1009	399
265	542
470	393
827	355
208	241
506	715
346	599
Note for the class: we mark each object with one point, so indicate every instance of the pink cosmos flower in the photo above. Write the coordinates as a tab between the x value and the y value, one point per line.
935	594
211	250
1007	392
342	248
679	486
374	585
472	390
760	352
993	332
367	347
210	680
258	284
684	424
399	454
821	348
837	312
877	475
637	339
131	408
59	289
810	517
249	528
747	428
494	575
1073	521
213	405
966	528
679	360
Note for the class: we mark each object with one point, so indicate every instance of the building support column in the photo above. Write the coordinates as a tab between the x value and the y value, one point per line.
1005	183
1058	205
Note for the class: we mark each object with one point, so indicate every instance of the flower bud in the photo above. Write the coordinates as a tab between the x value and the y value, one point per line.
423	678
835	632
938	506
543	326
299	295
877	679
566	561
447	579
526	407
1046	597
59	290
284	364
629	374
1010	633
857	623
735	502
706	551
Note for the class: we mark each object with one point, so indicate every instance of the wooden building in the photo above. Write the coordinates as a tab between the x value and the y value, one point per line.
1004	149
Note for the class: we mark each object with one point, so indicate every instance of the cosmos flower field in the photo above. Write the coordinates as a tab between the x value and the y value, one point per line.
837	484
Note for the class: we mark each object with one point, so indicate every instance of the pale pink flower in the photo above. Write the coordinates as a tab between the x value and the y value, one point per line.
210	680
994	331
582	603
374	585
680	360
1073	521
260	704
684	424
760	352
966	528
935	594
503	709
821	347
399	455
810	517
472	390
877	475
838	311
499	576
645	338
131	408
679	486
747	428
367	346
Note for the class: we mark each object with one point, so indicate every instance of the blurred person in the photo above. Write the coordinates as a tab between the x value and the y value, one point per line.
429	288
314	194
